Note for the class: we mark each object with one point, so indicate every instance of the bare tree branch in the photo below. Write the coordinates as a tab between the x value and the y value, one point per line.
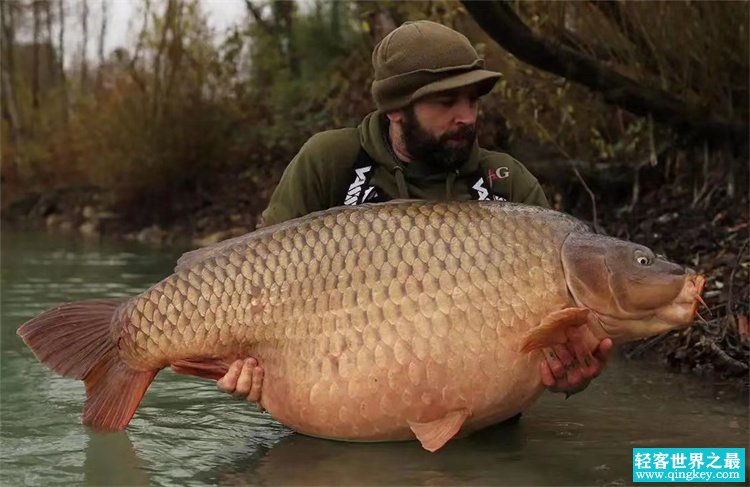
613	13
85	40
500	21
8	86
36	14
102	36
132	66
61	63
259	17
52	62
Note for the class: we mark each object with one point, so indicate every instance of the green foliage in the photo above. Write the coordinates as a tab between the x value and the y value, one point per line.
296	68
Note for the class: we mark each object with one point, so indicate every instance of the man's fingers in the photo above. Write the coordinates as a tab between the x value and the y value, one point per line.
548	379
228	383
245	380
572	365
604	350
587	364
566	356
256	387
556	367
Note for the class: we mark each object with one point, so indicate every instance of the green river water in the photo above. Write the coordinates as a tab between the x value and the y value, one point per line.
187	433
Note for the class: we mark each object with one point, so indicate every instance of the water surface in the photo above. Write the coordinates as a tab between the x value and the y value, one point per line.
187	433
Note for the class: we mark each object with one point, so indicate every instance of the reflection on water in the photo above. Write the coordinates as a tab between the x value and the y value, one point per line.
187	433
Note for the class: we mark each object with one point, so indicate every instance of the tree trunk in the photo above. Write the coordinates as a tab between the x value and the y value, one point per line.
102	36
61	65
168	20
283	13
381	24
336	21
85	40
7	83
52	62
501	22
176	49
35	12
133	65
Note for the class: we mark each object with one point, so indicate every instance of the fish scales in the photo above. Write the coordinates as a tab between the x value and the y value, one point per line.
367	318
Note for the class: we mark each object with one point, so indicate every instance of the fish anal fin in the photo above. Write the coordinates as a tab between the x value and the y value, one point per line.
552	329
206	367
114	390
435	434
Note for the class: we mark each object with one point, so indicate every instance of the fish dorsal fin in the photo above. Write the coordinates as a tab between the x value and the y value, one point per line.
435	434
552	330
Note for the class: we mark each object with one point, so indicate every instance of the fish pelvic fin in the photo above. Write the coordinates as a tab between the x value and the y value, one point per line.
207	368
552	329
435	434
74	340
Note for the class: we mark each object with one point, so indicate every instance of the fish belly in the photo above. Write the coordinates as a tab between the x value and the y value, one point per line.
353	395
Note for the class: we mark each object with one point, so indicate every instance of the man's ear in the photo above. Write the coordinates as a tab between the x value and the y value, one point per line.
395	116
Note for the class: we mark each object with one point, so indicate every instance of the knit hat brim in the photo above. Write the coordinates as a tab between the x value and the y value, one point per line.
485	80
388	99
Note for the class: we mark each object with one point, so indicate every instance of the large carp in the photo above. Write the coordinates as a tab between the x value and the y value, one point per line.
378	322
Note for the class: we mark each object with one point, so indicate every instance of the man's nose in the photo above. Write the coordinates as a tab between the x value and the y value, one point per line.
465	111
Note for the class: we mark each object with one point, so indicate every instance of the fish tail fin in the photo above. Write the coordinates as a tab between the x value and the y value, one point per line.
74	340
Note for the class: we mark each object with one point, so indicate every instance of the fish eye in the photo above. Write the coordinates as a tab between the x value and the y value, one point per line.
642	258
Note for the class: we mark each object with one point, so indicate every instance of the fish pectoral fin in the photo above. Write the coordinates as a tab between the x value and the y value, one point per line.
435	434
552	329
207	367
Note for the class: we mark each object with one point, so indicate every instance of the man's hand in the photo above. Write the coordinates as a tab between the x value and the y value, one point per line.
570	367
244	380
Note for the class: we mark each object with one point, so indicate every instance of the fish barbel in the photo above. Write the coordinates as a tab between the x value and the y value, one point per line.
378	322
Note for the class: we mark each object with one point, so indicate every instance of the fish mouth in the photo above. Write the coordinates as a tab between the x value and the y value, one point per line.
680	313
684	308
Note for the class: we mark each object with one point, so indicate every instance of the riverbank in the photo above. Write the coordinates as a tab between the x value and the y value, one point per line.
197	219
708	232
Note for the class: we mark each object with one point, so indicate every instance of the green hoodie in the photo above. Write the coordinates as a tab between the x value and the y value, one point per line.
322	173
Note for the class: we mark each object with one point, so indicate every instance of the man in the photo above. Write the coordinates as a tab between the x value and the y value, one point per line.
420	143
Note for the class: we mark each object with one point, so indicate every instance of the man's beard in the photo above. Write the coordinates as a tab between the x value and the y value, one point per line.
448	151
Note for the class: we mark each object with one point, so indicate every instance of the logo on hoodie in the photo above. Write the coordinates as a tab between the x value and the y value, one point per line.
481	192
499	173
360	190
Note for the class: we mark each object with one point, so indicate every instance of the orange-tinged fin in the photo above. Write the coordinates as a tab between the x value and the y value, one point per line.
74	340
114	390
435	434
208	368
552	329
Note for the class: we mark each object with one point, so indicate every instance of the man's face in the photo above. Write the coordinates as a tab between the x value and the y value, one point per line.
441	129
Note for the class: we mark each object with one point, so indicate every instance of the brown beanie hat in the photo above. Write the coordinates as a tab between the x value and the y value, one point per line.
420	58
